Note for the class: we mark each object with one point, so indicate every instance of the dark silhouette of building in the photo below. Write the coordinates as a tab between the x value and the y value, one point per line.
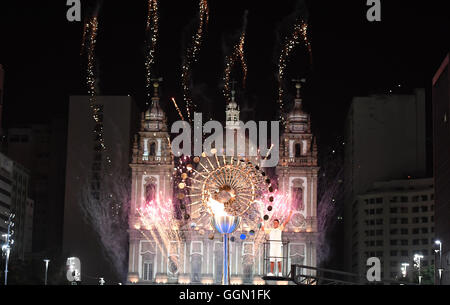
86	229
441	140
385	141
41	149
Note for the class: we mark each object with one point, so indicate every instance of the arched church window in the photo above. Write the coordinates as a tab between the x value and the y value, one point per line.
297	198
196	268
147	271
196	261
173	259
150	192
298	150
153	149
173	266
147	266
248	272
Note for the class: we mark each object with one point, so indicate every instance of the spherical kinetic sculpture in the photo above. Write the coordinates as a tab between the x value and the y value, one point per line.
232	185
226	188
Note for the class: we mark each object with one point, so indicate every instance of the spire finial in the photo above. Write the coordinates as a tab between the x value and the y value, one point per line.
298	85
233	90
156	84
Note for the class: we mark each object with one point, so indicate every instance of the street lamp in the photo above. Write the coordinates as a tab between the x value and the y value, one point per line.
438	242
6	248
417	258
46	261
404	269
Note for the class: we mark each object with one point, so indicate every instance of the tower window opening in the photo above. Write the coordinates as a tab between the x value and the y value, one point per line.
153	149
298	150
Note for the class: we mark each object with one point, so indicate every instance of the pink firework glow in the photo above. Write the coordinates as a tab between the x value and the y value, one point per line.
281	205
157	211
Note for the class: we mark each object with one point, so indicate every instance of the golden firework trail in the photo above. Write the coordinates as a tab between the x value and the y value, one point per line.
300	33
192	55
89	43
238	54
152	31
178	109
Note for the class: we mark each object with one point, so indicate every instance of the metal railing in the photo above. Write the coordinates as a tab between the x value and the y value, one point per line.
322	276
283	259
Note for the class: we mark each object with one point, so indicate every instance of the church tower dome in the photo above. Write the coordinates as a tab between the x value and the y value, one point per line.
297	113
297	119
155	112
155	117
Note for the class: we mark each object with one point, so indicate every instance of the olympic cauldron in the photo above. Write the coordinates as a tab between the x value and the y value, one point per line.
225	225
227	189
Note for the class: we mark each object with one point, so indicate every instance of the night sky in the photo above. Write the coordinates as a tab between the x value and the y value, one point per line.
40	51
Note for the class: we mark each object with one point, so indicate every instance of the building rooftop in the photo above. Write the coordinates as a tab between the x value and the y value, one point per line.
400	186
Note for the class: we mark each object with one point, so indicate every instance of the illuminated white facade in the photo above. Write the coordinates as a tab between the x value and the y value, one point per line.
199	256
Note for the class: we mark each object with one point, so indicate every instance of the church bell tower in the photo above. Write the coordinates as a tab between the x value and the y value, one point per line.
152	167
297	179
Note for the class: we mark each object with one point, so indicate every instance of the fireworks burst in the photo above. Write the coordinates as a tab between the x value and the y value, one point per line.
238	54
192	55
158	222
299	34
152	30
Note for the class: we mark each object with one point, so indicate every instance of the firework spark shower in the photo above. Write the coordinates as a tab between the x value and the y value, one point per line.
191	56
158	222
152	31
89	44
299	34
238	53
108	216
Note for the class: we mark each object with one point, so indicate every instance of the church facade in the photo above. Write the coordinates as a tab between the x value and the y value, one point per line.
200	257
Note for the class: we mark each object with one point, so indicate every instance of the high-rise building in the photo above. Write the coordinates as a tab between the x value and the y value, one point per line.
22	207
28	228
385	140
99	136
441	140
41	148
2	84
14	191
393	221
6	181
